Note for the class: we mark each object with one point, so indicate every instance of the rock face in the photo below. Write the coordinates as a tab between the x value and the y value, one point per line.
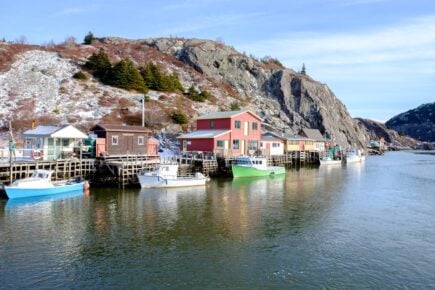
418	123
376	130
285	99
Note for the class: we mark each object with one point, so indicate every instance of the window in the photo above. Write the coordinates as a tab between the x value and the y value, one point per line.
252	145
237	124
236	144
220	143
211	123
275	145
254	126
65	142
115	140
140	140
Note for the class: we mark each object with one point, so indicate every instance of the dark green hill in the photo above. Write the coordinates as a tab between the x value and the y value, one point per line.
418	123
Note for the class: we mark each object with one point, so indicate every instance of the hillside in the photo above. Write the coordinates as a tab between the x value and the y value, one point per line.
37	83
376	130
419	123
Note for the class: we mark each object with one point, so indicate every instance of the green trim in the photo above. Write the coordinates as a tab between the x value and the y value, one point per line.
245	171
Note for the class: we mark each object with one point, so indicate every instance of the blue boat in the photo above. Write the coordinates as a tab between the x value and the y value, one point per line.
40	184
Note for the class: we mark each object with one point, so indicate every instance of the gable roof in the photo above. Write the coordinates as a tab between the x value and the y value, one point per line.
271	138
225	114
65	131
297	137
312	134
119	128
203	134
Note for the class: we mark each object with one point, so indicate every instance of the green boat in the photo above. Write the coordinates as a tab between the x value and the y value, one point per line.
246	166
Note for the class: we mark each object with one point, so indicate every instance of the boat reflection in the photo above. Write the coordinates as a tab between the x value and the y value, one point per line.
30	201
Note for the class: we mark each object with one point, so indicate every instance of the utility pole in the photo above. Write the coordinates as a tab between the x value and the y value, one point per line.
143	110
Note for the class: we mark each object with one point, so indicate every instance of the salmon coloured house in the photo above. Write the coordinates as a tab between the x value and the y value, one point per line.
230	133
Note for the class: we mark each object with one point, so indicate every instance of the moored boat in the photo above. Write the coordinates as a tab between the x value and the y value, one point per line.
246	166
329	161
333	157
40	184
166	175
354	155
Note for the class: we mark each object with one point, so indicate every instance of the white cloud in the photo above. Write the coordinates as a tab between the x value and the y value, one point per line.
208	22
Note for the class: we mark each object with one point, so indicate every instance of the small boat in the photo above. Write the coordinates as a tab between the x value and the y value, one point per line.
166	175
40	184
354	155
329	161
333	157
246	166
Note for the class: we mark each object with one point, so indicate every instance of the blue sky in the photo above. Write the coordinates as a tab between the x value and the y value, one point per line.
378	56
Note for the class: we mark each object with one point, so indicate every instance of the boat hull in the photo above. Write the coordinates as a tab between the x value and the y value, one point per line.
17	192
157	181
248	171
330	162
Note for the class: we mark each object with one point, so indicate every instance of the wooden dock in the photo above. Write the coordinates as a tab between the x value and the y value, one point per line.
62	169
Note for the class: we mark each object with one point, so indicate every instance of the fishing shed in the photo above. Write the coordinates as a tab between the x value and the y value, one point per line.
121	140
52	142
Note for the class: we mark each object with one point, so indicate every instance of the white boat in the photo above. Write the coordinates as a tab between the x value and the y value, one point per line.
354	155
40	184
329	161
166	175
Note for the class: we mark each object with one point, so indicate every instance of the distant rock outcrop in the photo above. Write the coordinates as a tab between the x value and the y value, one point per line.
419	123
376	130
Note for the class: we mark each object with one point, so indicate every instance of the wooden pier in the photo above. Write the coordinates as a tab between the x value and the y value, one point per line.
122	170
62	169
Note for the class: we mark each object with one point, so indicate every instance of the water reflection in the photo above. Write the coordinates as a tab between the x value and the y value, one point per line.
30	201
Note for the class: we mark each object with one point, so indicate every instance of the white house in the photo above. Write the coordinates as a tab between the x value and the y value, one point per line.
271	145
51	142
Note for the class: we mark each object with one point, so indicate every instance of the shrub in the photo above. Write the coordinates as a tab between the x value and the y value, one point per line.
235	106
179	118
194	95
89	38
80	76
155	79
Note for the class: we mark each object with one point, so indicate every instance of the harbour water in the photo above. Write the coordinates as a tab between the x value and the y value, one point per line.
369	225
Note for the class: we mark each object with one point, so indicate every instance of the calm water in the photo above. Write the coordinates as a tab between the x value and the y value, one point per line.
364	225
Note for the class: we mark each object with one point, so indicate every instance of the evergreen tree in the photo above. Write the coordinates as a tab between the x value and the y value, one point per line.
235	106
125	75
155	79
303	71
89	38
99	63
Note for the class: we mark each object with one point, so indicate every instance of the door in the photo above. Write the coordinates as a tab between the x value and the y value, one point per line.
129	144
242	151
246	128
226	146
184	146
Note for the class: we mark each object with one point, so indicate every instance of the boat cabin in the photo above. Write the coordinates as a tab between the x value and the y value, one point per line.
256	162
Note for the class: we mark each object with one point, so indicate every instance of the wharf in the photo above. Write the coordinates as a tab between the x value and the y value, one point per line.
122	170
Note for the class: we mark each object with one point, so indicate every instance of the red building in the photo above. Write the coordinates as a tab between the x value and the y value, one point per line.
225	133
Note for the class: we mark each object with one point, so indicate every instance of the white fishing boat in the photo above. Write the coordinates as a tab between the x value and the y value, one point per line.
329	161
354	155
40	184
166	175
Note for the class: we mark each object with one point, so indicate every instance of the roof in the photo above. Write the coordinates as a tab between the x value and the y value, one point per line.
203	134
119	128
271	138
65	131
225	114
296	137
313	134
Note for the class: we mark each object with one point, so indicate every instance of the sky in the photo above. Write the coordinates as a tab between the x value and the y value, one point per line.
377	56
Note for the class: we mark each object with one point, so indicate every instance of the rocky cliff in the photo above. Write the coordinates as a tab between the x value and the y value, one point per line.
376	130
36	82
419	123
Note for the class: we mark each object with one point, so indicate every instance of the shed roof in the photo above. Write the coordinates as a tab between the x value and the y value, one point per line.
119	128
225	114
313	134
65	131
203	134
297	137
271	138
